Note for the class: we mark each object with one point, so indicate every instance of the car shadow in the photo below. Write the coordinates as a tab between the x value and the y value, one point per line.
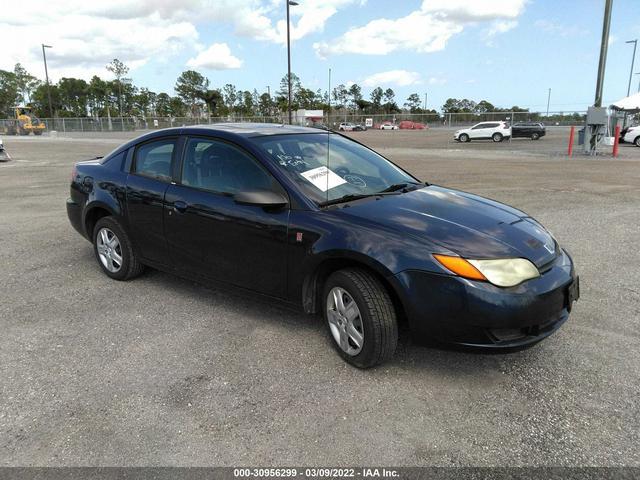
412	353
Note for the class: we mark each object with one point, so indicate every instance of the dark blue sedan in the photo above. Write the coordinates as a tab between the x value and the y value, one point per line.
318	220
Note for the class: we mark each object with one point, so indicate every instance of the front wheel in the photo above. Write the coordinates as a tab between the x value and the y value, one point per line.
497	137
361	318
114	251
637	141
535	136
464	138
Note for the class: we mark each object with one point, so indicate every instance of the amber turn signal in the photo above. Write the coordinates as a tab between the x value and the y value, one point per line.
460	266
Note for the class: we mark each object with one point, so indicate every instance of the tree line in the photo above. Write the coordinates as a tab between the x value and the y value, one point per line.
194	96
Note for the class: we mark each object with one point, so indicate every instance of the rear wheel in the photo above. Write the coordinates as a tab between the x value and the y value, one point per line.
464	138
535	136
37	132
496	137
361	318
114	251
637	141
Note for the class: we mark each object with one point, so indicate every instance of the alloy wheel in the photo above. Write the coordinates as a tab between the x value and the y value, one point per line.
345	321
109	250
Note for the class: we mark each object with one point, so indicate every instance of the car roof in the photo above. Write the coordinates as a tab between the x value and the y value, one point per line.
243	130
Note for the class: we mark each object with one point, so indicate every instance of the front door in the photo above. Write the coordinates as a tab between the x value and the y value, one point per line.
208	233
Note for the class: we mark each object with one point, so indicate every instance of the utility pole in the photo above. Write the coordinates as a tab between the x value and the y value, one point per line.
606	24
289	3
548	101
46	73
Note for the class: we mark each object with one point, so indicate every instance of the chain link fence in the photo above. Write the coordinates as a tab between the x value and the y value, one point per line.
332	120
456	119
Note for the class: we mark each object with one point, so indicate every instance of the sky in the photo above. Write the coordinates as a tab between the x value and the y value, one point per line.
509	52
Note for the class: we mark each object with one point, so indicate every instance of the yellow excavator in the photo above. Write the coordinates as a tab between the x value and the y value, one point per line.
25	122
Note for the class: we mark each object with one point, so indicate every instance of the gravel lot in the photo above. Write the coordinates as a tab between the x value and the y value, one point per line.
162	371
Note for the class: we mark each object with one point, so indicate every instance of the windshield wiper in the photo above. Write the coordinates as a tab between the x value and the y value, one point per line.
355	196
400	186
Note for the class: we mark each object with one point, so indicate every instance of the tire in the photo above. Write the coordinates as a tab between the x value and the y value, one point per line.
535	136
497	137
637	141
120	252
374	317
464	138
37	132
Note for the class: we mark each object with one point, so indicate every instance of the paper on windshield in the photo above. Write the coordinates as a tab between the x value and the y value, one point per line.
322	178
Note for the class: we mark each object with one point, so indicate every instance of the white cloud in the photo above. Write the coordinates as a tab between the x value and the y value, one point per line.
401	78
84	43
474	10
425	30
501	26
217	57
86	35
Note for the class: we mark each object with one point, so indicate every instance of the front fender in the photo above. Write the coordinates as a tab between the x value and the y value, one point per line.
334	241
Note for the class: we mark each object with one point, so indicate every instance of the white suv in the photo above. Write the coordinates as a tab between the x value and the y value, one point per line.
633	136
496	131
346	127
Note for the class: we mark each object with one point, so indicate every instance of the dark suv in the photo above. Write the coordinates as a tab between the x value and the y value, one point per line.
530	130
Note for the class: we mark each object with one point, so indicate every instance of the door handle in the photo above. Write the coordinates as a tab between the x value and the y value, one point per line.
180	206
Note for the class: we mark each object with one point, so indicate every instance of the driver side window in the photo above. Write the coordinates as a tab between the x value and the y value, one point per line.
220	167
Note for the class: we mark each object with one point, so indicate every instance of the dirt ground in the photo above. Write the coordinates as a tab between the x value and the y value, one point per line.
162	371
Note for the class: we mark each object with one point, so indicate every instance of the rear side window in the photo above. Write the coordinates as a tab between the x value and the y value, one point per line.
153	159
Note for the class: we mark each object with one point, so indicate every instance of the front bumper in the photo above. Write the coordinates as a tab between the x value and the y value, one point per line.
452	309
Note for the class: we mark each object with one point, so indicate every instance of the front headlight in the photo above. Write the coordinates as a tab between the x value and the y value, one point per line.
504	272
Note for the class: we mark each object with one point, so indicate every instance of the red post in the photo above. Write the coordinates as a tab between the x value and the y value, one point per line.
616	141
570	150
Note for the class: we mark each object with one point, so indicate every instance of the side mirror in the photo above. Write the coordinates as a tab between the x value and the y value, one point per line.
261	198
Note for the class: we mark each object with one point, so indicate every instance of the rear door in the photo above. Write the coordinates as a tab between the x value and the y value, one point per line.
211	235
147	183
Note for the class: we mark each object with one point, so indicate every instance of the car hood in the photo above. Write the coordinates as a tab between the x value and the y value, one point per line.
467	224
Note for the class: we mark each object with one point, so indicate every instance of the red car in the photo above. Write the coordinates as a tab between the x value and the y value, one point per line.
409	125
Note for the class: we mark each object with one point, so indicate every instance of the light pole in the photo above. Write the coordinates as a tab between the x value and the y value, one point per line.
292	4
329	112
269	95
548	101
633	59
46	74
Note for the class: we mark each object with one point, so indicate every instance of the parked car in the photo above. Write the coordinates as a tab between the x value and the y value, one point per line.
389	126
633	136
318	220
360	127
346	126
496	131
409	125
532	130
1	145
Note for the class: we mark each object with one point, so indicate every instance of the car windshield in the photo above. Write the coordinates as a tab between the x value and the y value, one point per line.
328	167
